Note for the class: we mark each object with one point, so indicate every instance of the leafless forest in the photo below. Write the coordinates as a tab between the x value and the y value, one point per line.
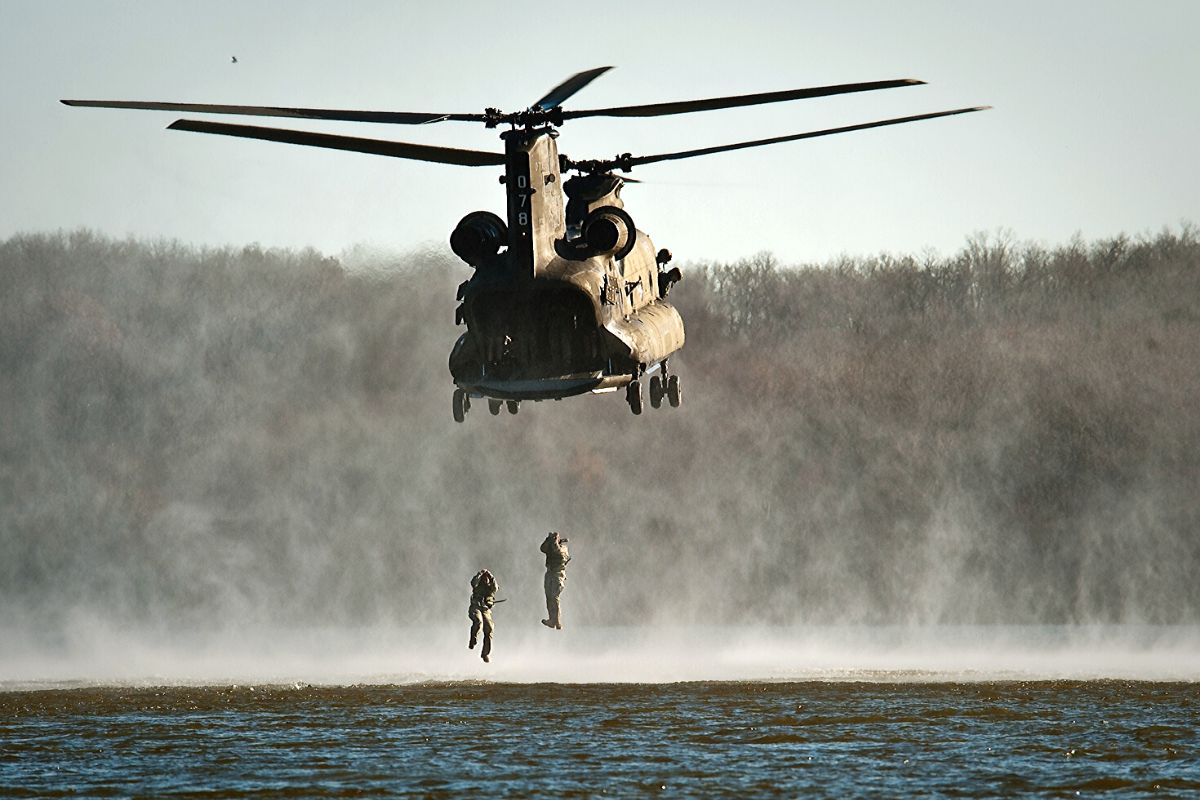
204	437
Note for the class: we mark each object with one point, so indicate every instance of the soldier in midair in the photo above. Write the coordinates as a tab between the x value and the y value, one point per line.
483	597
555	548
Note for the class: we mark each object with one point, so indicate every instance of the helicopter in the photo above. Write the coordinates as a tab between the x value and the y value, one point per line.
567	296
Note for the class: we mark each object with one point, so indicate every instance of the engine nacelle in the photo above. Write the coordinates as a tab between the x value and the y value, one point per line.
478	237
609	231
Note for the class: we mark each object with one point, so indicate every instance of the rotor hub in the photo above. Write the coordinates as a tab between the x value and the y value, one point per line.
529	118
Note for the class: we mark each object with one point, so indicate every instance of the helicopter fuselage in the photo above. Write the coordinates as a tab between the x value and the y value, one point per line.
573	303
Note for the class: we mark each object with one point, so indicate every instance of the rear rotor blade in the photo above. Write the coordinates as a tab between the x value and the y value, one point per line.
379	147
714	103
704	151
342	115
570	86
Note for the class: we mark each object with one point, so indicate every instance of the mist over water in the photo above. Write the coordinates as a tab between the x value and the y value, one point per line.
388	655
236	464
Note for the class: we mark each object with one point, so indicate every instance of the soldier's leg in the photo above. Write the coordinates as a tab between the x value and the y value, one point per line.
560	582
554	585
487	634
473	615
550	583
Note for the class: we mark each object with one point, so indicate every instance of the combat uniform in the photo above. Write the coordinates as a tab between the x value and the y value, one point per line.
555	549
483	597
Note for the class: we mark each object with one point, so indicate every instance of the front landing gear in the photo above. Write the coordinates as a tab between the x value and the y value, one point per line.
460	404
633	396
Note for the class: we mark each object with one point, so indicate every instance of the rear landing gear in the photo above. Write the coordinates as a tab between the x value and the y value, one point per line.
674	393
494	406
513	406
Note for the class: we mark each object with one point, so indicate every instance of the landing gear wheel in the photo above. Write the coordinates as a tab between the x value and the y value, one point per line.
674	393
494	406
656	391
514	406
460	403
633	396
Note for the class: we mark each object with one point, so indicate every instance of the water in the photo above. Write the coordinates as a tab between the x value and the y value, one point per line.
98	710
892	737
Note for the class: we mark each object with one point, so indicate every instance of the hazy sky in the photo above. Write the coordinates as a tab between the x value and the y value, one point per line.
1095	126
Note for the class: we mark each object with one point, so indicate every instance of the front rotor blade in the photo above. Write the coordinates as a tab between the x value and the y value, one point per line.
795	136
570	86
342	115
379	147
715	103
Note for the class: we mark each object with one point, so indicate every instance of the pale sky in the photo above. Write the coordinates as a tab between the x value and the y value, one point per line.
1094	130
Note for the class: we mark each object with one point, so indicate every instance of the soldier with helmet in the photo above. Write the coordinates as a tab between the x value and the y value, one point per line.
483	596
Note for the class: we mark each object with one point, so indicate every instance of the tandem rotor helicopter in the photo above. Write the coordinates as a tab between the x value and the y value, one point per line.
567	295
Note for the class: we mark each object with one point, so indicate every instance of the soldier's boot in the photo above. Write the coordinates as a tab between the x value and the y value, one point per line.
552	612
471	644
487	650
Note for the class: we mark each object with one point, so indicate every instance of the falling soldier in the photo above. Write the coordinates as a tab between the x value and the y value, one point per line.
555	549
483	597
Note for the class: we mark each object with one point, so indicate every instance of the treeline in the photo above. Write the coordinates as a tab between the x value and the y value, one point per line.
205	437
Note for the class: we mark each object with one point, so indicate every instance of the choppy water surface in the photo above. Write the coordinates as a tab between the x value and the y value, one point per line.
454	739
